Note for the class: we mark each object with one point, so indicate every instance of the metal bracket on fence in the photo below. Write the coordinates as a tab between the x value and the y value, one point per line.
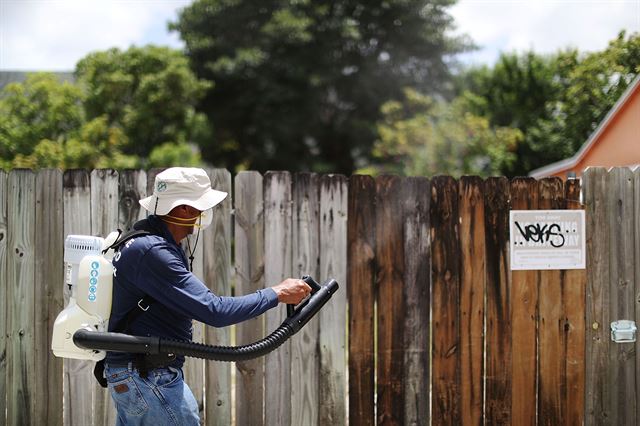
623	331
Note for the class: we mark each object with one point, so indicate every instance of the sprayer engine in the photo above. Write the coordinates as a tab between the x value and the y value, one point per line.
88	276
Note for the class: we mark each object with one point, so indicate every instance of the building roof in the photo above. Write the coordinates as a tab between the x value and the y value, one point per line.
8	77
571	162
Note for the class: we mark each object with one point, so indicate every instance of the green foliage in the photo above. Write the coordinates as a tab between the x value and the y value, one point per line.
40	108
175	154
125	107
596	84
420	136
148	92
556	101
42	124
299	84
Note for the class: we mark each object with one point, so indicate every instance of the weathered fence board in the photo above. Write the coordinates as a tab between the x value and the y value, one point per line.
524	319
636	262
21	379
361	296
305	363
622	375
575	295
278	266
390	301
4	195
417	269
445	293
498	315
597	315
78	374
551	327
49	298
472	291
104	220
216	245
333	316
249	261
132	187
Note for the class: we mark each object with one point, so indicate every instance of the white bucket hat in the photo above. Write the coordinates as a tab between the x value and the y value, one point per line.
182	185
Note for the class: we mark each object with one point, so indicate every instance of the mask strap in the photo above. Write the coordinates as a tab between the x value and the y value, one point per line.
195	246
178	219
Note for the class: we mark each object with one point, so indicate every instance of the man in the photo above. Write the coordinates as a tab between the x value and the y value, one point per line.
155	294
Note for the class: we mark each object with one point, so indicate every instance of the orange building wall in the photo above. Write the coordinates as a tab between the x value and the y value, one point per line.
618	144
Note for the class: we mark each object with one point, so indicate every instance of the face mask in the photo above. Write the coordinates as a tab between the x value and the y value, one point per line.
202	221
205	219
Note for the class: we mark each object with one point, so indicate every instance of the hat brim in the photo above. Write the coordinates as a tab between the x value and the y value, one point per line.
161	207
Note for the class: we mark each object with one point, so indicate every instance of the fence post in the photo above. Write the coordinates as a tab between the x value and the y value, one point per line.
249	261
4	194
417	302
445	302
21	379
498	316
333	316
278	258
472	293
361	296
597	328
575	294
78	374
216	246
49	297
305	365
621	370
551	323
390	301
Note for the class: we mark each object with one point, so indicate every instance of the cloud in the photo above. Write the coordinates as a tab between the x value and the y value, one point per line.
55	34
544	26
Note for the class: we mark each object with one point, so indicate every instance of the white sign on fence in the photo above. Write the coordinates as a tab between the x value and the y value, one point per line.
547	239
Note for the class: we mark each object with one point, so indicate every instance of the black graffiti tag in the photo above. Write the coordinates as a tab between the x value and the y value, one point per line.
548	233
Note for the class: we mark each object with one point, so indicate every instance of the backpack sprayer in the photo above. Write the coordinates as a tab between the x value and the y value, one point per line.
79	331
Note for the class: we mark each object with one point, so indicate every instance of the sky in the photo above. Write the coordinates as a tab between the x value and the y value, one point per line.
52	35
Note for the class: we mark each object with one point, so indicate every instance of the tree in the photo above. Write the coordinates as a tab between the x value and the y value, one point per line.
299	85
521	92
421	136
148	92
42	124
596	84
556	101
40	108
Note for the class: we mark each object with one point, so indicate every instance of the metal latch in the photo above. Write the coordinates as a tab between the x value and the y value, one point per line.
623	331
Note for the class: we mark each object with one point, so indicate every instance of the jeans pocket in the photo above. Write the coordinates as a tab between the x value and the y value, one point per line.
165	377
128	397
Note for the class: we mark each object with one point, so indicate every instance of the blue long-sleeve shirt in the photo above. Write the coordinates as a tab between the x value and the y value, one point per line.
156	266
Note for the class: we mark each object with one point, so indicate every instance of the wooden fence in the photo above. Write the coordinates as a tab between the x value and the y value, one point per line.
439	329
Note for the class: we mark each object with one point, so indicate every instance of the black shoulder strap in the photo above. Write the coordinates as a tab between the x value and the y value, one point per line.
124	237
143	304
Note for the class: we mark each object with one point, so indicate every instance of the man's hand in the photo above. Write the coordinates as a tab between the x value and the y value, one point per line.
291	291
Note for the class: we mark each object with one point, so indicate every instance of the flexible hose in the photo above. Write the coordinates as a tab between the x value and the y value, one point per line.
228	353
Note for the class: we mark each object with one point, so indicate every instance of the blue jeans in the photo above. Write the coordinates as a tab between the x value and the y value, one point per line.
162	398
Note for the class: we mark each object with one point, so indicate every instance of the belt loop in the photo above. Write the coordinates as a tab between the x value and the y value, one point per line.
130	366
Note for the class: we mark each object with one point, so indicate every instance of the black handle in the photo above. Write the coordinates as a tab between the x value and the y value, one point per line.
320	294
315	287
